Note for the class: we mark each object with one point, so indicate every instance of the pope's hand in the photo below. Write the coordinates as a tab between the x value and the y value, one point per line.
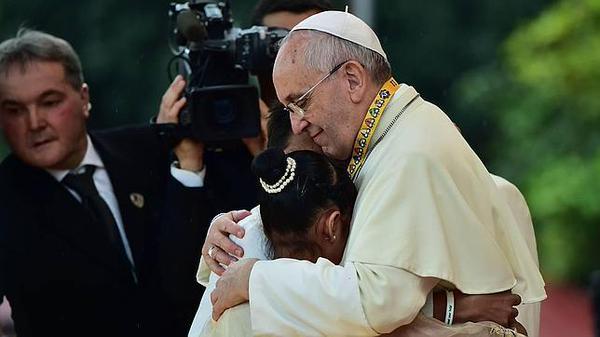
218	248
232	288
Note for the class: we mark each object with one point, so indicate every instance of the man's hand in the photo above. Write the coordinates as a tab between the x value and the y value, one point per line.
222	249
172	102
190	153
232	287
499	308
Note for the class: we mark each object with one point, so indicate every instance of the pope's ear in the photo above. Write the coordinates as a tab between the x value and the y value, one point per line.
356	76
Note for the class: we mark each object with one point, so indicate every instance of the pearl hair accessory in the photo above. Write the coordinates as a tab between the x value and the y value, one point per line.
287	177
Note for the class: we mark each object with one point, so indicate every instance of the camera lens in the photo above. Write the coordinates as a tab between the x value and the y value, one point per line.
223	110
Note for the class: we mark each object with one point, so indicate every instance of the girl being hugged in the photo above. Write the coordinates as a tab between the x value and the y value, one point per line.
306	204
305	210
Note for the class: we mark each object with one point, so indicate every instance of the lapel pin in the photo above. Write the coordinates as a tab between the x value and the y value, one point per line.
137	200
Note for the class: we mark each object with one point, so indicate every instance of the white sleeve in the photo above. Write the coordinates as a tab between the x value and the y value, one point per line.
391	297
188	178
351	300
254	243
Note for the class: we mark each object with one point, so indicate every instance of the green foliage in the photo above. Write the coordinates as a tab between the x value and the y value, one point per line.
431	44
544	101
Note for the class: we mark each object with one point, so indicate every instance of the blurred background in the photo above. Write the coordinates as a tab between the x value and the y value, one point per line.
520	78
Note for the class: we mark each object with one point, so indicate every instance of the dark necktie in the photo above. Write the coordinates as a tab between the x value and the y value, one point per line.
94	204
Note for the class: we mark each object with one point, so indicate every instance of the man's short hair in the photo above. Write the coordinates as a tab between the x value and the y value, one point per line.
324	51
34	46
265	7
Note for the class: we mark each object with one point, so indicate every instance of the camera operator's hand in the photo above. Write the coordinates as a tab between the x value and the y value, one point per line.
190	153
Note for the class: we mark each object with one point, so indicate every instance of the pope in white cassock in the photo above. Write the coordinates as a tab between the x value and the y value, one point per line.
428	212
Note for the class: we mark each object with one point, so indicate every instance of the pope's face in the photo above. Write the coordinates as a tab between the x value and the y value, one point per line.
327	110
42	116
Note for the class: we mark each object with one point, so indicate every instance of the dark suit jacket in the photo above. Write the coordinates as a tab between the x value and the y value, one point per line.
229	180
62	280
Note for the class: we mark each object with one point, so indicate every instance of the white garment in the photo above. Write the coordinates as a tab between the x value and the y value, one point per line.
529	313
426	207
429	327
255	245
235	322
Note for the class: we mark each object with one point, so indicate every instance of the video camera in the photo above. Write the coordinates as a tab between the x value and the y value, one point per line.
217	59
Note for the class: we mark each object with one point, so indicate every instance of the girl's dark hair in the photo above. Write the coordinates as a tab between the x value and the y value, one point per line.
279	127
317	185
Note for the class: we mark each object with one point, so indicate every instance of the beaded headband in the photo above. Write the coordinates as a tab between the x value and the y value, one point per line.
287	177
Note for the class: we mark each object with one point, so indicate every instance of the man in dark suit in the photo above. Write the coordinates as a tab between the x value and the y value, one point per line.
85	233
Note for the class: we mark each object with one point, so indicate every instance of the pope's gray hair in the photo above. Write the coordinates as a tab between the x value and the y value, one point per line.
325	51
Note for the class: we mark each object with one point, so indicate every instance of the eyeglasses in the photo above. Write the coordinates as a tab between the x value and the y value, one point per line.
293	107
